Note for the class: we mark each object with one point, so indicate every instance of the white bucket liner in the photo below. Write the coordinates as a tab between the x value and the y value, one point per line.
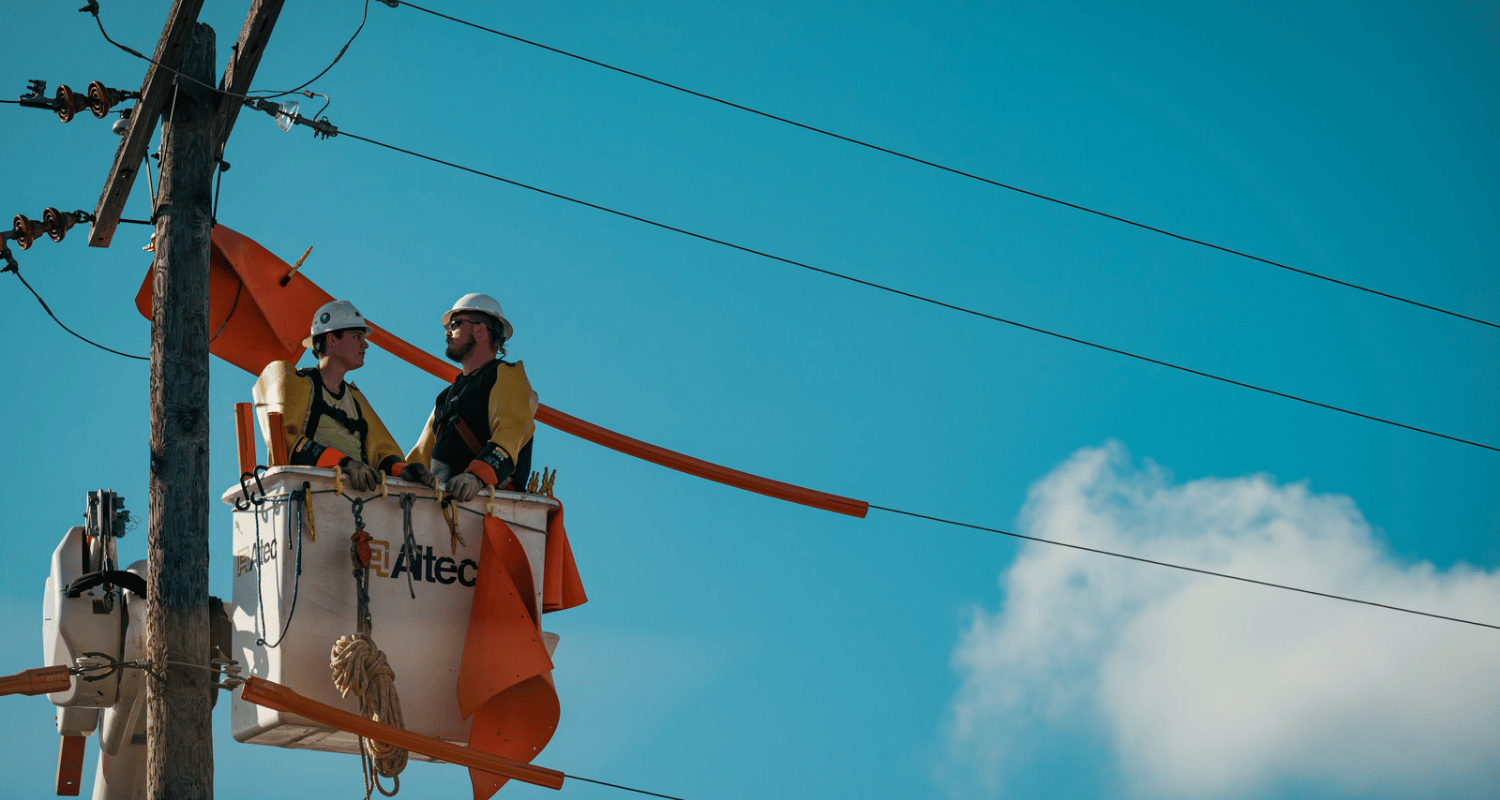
423	637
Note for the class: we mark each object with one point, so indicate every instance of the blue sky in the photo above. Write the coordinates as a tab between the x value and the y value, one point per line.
735	646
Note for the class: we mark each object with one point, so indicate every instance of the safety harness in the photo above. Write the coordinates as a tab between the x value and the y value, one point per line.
320	407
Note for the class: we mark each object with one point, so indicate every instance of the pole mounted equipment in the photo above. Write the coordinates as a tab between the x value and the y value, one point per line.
102	98
55	224
286	117
36	96
69	103
66	103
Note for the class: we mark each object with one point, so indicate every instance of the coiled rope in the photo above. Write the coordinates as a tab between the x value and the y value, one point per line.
359	666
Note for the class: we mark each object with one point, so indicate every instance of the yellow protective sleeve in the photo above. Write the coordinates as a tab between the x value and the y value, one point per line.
512	410
280	388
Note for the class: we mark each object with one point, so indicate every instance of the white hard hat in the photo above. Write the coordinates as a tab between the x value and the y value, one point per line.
336	316
474	301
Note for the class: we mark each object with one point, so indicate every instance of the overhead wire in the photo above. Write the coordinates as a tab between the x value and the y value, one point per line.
342	51
626	788
922	298
65	327
1197	570
93	8
944	168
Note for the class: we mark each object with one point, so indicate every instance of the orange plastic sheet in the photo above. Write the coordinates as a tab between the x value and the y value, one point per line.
505	678
254	320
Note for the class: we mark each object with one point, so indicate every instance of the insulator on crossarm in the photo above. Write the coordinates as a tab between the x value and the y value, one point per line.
58	223
27	231
102	98
69	103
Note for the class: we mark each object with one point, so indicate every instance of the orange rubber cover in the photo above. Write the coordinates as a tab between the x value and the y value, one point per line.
273	695
505	678
276	451
588	431
42	680
561	586
244	435
70	765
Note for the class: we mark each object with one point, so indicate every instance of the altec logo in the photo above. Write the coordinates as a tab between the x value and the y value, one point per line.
422	563
250	558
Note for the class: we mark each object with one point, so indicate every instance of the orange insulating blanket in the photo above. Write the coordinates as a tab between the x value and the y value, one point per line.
254	320
505	679
561	586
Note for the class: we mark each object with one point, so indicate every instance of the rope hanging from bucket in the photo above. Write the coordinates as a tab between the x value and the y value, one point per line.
359	666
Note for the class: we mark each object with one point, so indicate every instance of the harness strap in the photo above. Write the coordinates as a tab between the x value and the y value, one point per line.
468	436
319	408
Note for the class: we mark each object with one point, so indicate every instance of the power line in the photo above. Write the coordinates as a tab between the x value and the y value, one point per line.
951	170
65	327
1187	569
336	58
923	298
626	788
93	8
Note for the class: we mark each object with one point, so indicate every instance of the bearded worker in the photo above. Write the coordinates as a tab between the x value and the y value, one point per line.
328	420
479	433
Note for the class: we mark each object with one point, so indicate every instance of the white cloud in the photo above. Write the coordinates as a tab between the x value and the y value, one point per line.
1208	688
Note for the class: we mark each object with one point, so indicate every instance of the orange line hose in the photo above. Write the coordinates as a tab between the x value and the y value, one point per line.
635	447
274	695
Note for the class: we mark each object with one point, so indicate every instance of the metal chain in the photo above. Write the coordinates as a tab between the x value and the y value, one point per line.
409	539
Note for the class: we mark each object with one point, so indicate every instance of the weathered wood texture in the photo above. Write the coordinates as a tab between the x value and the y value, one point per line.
156	90
240	70
179	755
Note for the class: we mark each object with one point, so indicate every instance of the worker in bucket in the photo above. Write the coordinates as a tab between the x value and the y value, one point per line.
328	420
479	433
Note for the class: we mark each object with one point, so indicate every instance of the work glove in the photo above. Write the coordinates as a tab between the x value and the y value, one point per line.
416	473
441	471
362	477
465	486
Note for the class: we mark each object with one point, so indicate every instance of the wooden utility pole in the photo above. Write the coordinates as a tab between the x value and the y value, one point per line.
196	123
179	732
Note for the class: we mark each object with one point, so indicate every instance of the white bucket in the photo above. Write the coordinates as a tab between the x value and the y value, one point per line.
422	637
